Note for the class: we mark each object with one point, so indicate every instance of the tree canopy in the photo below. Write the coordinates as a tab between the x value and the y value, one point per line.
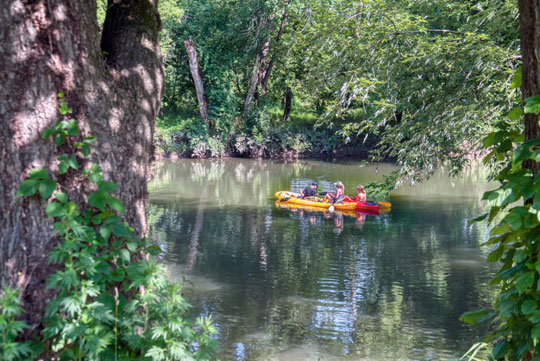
418	82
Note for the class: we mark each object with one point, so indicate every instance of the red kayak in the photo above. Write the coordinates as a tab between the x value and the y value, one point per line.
363	205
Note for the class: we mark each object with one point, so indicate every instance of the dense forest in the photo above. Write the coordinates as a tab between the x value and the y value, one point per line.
90	89
401	80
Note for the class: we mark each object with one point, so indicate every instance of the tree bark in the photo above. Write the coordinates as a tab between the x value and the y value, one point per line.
287	100
268	71
51	46
529	11
197	79
530	50
258	66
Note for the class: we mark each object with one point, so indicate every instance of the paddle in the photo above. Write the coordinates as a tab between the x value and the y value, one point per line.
385	204
286	198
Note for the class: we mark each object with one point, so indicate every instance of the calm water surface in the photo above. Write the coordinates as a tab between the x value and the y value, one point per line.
288	284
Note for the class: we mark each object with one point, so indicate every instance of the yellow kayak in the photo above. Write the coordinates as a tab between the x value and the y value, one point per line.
290	206
287	197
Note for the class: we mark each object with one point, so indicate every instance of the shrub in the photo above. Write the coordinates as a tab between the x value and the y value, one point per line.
112	300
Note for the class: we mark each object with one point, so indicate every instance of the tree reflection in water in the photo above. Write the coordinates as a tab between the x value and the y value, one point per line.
369	287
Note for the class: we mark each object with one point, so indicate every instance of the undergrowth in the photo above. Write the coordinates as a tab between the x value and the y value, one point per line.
113	301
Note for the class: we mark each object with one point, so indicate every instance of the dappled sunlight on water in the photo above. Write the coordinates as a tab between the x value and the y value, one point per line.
298	284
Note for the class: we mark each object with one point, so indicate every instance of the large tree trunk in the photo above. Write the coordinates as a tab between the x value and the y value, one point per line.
530	50
197	79
51	46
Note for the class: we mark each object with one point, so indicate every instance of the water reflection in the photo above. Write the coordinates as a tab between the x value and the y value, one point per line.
296	284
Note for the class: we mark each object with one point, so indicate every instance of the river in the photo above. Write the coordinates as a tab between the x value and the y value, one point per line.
289	284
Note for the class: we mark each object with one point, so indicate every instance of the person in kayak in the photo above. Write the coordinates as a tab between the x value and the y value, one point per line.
360	197
338	196
309	191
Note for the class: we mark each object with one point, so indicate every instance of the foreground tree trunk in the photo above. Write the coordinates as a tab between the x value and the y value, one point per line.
529	14
51	46
197	79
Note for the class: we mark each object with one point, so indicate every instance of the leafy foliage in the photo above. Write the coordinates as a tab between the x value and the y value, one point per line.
515	213
112	300
419	82
10	328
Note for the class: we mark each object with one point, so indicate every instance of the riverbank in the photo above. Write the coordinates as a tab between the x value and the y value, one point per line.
262	136
359	154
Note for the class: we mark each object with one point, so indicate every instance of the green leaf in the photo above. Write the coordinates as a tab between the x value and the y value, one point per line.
107	187
514	221
124	254
39	173
524	151
61	197
515	113
89	140
132	246
153	250
535	318
85	149
477	219
27	188
118	274
115	204
525	281
489	140
500	350
536	202
506	307
72	127
54	209
72	161
46	188
96	220
47	133
527	187
97	199
520	255
511	272
528	307
474	317
493	213
531	221
496	255
536	332
63	167
95	177
120	230
501	229
517	79
105	232
59	139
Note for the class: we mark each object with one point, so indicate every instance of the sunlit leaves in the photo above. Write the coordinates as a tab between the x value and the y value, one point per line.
38	180
532	104
475	317
517	79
